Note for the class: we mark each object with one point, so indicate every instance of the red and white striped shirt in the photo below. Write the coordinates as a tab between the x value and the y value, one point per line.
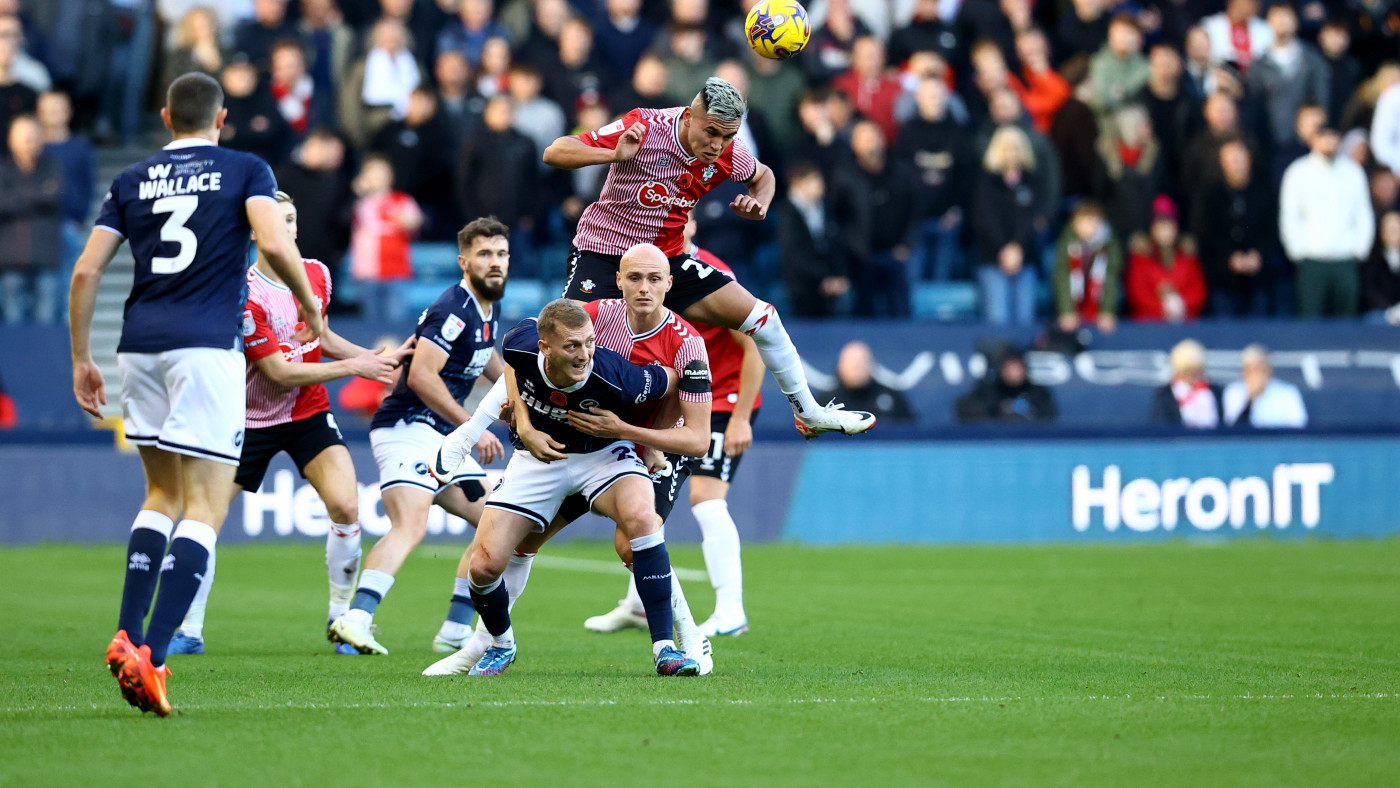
648	198
269	321
673	343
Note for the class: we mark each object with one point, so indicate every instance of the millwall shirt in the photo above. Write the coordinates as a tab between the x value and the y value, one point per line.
613	384
456	324
183	212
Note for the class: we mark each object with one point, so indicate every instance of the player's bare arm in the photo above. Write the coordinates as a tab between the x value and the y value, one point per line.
88	386
541	446
288	374
275	243
569	153
425	378
738	436
335	346
762	186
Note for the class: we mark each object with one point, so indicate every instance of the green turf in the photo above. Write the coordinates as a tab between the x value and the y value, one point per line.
1259	663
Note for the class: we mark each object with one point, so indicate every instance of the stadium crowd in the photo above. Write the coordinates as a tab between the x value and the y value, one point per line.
1080	161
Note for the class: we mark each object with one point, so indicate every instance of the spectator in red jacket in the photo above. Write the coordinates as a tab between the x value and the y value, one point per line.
871	86
1040	88
1164	279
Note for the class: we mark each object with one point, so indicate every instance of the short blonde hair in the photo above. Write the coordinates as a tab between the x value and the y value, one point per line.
1188	354
994	160
282	196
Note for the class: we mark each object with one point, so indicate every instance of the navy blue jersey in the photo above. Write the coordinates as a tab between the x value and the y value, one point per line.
613	383
453	323
183	211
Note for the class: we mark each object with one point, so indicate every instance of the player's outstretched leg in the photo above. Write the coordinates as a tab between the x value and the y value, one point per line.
478	640
630	502
467	500
497	537
734	307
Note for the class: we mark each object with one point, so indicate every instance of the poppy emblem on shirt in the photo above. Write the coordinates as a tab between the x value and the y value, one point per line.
685	181
486	332
558	398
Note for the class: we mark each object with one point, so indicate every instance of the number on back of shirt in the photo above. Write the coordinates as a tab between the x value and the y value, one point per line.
180	208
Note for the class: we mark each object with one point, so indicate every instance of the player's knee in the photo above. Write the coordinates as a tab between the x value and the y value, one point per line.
639	522
343	511
484	568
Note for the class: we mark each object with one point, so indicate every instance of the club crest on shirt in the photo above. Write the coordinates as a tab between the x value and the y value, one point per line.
587	285
452	328
708	173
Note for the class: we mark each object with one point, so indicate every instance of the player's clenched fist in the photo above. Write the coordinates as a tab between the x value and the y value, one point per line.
630	142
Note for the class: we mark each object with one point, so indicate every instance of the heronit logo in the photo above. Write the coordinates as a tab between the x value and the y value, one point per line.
139	562
1207	503
657	195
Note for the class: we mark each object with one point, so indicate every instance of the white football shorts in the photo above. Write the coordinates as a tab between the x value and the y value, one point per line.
188	401
405	452
535	489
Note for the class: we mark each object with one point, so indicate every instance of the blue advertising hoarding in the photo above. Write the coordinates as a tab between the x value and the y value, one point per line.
847	492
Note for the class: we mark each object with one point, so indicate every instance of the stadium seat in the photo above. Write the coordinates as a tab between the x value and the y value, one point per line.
436	262
951	302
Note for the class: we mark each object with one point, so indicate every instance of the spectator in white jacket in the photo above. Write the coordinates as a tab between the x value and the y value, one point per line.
1259	400
1326	224
1238	35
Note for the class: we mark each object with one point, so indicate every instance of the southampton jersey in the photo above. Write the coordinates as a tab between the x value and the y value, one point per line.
648	198
454	323
613	383
182	211
674	343
726	355
269	325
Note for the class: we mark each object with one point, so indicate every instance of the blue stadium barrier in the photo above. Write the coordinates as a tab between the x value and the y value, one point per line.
1349	373
1136	489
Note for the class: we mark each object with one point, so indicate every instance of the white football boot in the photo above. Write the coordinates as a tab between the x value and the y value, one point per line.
834	418
616	620
461	663
724	624
356	628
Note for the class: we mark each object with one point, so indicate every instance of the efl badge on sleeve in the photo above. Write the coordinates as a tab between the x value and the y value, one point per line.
453	328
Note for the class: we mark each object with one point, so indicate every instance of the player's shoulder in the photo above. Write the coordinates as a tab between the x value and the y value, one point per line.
522	337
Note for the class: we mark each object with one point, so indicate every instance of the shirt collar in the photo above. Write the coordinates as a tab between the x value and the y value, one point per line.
188	142
569	390
676	134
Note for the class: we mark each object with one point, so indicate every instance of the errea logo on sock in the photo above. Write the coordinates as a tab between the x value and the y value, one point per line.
168	563
138	562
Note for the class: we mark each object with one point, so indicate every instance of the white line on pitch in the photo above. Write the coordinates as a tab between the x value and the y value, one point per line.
609	567
715	702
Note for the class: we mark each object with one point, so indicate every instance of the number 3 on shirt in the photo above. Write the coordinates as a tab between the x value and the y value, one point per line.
180	208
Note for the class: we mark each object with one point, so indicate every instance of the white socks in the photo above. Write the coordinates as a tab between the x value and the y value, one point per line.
457	446
721	546
342	566
780	356
193	625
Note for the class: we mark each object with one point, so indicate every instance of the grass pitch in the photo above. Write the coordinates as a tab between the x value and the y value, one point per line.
1256	663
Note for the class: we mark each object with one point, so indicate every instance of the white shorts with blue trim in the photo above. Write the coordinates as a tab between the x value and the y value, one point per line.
189	401
405	452
535	489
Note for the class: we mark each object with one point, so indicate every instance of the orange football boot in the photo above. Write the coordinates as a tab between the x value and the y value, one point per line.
147	683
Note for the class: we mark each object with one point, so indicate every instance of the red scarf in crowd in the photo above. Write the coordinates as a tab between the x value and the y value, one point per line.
1088	267
294	102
